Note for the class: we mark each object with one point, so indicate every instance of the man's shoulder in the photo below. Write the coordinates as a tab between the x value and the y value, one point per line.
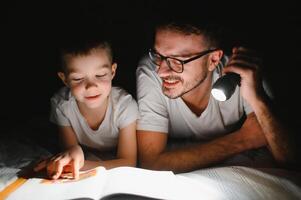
145	64
146	73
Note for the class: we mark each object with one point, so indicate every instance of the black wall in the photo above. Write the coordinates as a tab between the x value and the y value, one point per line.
33	32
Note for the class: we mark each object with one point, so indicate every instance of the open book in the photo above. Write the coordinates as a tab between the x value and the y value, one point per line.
100	183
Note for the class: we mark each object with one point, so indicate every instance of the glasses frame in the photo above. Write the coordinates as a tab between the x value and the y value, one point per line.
183	62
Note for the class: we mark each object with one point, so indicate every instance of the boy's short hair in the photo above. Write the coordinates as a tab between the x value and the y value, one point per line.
84	46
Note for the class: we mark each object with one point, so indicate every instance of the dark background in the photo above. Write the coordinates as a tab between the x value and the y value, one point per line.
32	33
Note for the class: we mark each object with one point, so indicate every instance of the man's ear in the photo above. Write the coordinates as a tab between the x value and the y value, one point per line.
63	77
114	67
215	58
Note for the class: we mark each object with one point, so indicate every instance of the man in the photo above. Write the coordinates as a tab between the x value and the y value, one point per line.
175	102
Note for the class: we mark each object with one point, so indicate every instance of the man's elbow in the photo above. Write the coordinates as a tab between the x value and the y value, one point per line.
287	161
148	163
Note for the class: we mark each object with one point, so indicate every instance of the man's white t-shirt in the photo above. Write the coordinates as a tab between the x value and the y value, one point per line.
122	110
172	116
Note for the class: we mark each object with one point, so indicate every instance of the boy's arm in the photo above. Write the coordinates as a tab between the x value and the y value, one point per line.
126	150
152	153
70	160
67	137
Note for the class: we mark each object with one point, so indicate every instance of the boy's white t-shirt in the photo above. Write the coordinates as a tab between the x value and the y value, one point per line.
122	110
172	116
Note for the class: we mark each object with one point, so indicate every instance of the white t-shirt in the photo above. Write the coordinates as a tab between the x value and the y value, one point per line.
122	110
172	116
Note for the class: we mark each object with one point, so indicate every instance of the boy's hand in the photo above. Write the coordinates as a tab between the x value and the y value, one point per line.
69	161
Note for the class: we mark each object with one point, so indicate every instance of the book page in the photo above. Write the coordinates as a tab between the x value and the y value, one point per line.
89	185
100	183
155	184
238	182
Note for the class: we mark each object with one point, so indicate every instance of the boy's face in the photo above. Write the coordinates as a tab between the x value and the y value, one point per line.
90	77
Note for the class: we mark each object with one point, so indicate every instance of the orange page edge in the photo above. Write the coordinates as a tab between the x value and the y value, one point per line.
12	187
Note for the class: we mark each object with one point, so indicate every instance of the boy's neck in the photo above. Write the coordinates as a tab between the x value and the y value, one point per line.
94	116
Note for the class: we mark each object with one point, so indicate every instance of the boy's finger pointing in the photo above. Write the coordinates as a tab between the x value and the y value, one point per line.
40	166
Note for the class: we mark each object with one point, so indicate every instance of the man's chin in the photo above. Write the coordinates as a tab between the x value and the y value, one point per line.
172	94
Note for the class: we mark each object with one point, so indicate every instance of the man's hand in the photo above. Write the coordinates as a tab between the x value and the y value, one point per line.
68	161
245	63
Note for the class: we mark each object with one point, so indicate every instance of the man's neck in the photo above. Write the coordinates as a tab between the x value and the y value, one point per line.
197	99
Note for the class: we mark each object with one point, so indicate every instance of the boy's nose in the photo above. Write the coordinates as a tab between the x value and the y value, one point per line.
90	84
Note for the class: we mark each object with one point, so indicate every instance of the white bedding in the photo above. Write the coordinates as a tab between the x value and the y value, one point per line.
14	155
243	183
233	182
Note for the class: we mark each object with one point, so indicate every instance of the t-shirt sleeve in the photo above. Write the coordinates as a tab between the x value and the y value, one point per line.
247	108
127	111
267	89
57	115
151	102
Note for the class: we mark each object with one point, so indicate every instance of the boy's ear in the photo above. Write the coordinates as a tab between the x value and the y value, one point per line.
114	67
62	77
215	58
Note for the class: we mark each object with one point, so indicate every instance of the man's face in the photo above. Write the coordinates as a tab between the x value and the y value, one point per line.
89	78
178	45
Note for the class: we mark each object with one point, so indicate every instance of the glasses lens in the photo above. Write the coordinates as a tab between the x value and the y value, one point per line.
175	65
155	57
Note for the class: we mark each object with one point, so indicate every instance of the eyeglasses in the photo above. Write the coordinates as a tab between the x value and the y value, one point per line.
174	64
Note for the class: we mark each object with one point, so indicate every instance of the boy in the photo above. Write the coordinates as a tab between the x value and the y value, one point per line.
90	112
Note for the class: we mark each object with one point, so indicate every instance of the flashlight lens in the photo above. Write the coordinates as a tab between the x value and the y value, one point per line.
218	94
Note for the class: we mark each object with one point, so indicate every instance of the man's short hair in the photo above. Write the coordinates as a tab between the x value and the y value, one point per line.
209	29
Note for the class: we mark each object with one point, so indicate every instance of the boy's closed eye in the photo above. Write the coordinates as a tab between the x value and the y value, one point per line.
101	75
77	79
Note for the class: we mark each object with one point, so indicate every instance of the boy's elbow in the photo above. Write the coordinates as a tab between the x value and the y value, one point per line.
132	162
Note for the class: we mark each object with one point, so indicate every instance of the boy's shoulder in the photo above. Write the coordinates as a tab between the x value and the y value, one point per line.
120	95
62	95
118	92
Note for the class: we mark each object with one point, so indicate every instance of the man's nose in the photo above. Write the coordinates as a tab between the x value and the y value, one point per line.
163	68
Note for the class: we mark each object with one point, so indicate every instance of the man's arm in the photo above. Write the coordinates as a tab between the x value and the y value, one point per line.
278	138
153	154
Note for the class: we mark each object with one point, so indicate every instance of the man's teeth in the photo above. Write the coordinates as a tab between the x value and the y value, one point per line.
170	81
